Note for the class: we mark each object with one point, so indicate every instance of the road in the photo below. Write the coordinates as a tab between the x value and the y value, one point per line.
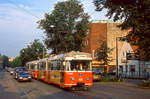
11	89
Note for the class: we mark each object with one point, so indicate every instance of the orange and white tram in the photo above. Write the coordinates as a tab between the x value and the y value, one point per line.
66	70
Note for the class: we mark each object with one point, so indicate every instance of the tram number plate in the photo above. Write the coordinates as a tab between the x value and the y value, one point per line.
80	84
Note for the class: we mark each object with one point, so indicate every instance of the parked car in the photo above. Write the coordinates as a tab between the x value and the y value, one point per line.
11	71
113	73
22	74
97	74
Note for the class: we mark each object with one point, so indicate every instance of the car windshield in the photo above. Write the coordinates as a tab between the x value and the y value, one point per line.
18	69
24	73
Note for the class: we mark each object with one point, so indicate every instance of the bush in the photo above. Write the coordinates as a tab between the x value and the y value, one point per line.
145	83
110	79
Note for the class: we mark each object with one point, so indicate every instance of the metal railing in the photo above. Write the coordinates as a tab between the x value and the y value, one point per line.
144	75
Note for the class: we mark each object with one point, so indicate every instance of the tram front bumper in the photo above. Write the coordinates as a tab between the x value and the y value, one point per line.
77	85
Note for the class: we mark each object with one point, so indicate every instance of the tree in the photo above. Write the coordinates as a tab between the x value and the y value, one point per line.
65	27
136	15
34	51
102	53
1	62
16	62
5	61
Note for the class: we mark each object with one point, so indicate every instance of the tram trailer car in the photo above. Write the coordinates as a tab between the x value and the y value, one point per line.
70	70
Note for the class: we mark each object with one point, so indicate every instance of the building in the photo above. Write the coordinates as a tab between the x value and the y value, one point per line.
11	59
104	31
130	64
108	31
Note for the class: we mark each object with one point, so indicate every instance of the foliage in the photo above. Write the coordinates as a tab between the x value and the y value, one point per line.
5	61
16	62
136	16
65	27
110	79
33	51
145	83
102	53
1	61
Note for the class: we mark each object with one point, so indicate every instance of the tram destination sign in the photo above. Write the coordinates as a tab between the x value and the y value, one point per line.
82	57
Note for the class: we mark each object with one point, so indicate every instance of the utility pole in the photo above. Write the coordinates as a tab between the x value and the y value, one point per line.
139	58
126	64
117	56
43	52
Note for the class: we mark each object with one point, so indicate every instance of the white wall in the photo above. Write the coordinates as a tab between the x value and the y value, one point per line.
141	67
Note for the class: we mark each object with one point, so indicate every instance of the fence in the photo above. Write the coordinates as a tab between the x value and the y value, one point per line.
143	75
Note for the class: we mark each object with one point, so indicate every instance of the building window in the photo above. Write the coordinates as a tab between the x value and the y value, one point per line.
132	68
120	68
123	53
86	42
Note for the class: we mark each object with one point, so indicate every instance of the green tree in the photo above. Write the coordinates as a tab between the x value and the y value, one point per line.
103	53
1	62
16	62
34	51
5	61
65	27
136	15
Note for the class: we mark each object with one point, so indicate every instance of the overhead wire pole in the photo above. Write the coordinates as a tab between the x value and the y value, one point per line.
117	55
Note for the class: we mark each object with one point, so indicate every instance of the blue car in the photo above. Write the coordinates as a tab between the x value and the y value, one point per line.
24	76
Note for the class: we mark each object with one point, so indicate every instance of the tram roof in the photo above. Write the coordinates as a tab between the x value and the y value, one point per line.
35	61
70	54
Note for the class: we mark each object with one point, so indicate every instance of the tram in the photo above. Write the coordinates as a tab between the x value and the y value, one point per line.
70	70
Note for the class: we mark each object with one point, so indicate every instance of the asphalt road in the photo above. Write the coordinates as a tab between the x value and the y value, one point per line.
11	89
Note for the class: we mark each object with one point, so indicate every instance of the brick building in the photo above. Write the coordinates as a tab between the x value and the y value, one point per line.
104	31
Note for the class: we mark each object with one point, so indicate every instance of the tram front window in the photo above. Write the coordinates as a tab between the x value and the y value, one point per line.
76	65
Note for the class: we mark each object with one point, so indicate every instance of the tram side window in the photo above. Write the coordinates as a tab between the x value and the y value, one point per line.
59	64
38	66
28	66
54	65
62	65
42	65
50	65
32	66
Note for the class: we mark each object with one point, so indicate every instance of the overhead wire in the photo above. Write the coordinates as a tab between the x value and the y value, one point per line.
32	14
25	10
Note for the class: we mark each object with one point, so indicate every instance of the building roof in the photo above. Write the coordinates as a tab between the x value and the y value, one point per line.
106	21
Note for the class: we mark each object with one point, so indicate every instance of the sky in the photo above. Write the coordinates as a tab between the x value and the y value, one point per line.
18	22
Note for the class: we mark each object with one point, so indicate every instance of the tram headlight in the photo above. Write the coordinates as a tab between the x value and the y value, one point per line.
88	78
72	78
